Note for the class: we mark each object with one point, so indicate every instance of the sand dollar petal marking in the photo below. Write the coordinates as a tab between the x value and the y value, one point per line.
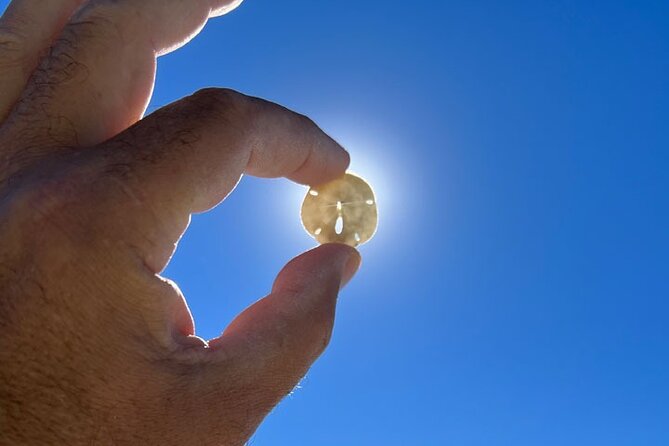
341	211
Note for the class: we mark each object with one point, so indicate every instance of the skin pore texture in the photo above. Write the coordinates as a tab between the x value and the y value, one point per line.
96	348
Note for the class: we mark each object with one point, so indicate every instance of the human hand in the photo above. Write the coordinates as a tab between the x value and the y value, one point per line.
95	347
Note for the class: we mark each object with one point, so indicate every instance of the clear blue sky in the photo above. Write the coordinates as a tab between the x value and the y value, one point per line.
517	290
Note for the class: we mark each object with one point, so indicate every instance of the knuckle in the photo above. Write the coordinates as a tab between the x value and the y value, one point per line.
96	23
220	108
10	41
267	114
307	127
100	19
304	121
218	102
11	49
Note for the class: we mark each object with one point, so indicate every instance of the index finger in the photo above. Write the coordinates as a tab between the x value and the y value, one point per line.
188	156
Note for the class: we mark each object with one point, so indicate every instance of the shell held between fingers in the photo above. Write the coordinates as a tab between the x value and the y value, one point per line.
341	211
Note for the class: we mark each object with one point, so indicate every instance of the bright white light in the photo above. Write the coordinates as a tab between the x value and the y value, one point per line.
372	159
376	158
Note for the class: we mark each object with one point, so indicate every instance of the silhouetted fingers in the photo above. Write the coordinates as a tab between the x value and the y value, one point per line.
188	156
98	77
27	29
271	345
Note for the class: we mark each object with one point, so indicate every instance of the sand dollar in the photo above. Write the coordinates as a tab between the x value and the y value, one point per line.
341	211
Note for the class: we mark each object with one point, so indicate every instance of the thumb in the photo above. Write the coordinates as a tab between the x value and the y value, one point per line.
273	343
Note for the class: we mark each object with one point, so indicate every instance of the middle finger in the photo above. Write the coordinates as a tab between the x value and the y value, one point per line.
98	77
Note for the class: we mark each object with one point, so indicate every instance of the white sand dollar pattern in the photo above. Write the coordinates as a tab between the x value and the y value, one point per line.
341	211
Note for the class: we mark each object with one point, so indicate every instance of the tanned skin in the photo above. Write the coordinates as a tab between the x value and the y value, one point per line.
96	348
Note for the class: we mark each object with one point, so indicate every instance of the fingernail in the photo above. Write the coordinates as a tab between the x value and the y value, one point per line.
352	266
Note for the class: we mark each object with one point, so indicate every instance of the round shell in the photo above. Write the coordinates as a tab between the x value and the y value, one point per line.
341	211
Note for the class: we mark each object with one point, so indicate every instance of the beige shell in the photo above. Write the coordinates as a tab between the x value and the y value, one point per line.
341	211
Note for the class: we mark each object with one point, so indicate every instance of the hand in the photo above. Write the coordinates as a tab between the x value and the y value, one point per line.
96	347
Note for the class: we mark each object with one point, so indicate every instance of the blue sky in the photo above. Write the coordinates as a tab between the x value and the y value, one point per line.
517	290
